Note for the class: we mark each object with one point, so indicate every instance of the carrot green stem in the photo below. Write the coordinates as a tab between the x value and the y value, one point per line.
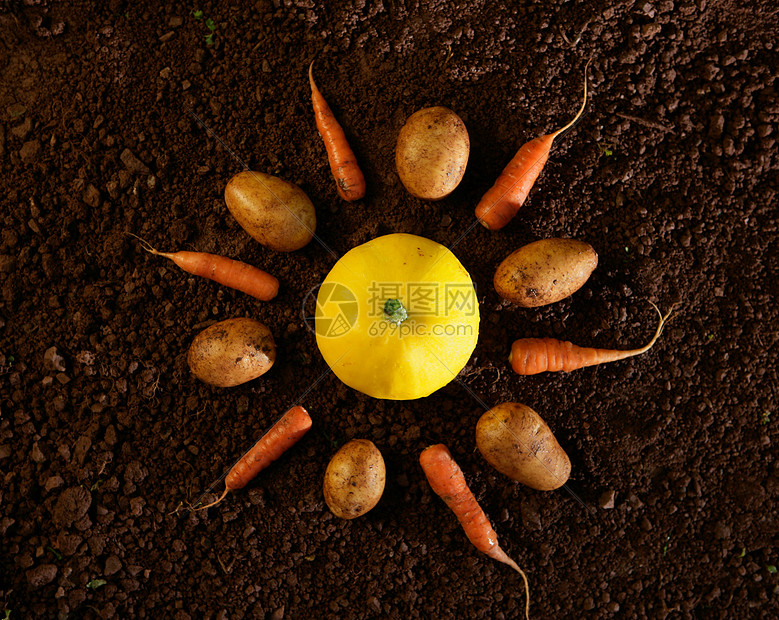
394	311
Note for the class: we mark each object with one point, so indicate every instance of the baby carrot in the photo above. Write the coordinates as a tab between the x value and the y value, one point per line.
343	164
447	480
503	200
530	356
232	273
281	437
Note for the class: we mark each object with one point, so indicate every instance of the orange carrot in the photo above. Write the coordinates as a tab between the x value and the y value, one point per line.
232	273
530	356
281	437
343	164
503	200
447	480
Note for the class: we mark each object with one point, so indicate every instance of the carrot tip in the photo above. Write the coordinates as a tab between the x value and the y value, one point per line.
214	503
581	109
145	244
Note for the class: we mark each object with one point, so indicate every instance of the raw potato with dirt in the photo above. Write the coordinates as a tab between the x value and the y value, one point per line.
517	442
545	271
432	153
275	212
354	479
232	352
123	117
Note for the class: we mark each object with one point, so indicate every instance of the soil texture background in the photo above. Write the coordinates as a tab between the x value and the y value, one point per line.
105	436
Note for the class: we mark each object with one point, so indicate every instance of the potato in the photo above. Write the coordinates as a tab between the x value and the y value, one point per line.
432	153
545	271
273	211
232	352
354	480
517	442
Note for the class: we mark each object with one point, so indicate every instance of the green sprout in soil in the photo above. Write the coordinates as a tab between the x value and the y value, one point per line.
210	36
449	54
309	558
210	24
7	613
743	552
766	417
56	553
330	440
605	149
771	569
96	485
665	547
96	583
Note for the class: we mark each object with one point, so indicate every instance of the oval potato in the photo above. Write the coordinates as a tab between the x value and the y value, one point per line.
545	271
518	443
354	480
232	352
432	153
275	212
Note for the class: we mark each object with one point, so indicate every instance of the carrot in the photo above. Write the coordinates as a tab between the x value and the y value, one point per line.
232	273
447	480
343	164
281	437
503	200
530	356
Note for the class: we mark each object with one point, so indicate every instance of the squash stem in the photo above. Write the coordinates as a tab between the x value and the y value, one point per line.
394	311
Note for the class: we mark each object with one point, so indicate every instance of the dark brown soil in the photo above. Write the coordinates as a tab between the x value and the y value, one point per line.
671	175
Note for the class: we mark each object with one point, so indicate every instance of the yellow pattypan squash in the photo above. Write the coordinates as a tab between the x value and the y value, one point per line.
397	317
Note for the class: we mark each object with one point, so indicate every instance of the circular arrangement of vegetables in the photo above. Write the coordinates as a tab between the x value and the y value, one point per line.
398	318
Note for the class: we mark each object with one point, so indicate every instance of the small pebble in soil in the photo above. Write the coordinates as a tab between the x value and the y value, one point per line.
41	575
530	517
112	565
132	163
71	505
21	131
53	482
30	151
606	500
278	614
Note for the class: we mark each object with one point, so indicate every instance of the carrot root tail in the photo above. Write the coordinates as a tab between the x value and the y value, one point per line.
663	320
214	503
581	109
516	567
145	244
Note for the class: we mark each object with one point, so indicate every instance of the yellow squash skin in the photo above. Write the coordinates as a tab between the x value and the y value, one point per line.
426	350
